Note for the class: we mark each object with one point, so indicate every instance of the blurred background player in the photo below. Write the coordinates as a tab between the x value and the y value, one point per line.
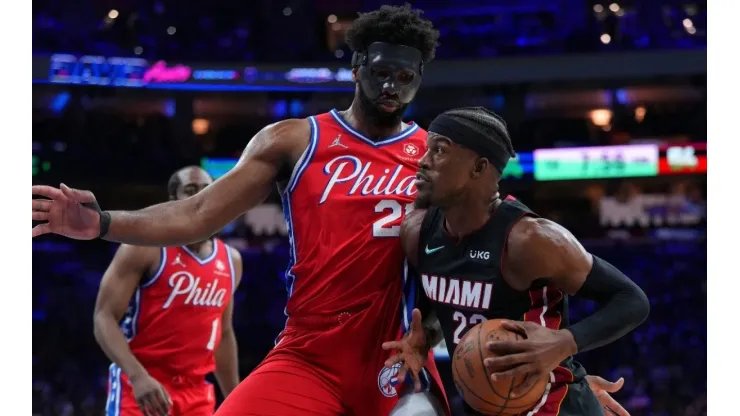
480	257
155	86
164	317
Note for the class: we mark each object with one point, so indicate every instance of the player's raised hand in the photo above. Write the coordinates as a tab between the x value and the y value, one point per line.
602	388
532	358
151	396
64	212
412	351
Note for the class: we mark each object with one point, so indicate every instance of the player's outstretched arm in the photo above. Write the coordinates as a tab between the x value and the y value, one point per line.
74	213
226	354
129	266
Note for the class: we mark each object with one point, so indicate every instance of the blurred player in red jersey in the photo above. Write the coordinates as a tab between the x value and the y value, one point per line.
347	180
163	316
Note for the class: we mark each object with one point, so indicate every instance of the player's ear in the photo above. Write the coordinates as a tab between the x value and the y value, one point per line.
480	166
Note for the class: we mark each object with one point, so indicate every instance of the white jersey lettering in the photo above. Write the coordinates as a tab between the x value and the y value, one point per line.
343	169
184	283
458	292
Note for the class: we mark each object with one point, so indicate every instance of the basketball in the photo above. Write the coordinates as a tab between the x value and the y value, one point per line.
472	378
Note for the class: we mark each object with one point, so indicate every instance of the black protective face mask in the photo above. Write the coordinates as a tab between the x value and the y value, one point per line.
375	115
388	72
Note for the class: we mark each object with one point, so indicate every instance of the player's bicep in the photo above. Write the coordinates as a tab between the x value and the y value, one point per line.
542	249
129	265
253	178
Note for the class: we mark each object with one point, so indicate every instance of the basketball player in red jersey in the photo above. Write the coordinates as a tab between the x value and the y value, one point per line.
347	180
163	316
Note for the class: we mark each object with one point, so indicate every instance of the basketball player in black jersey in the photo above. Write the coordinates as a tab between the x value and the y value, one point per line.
479	257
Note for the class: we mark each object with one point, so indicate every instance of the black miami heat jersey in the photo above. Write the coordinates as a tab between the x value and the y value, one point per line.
464	285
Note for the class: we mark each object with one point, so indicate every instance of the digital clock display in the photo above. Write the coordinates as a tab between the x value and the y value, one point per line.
596	162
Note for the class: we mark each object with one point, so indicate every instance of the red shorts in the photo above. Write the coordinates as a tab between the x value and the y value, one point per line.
189	398
336	370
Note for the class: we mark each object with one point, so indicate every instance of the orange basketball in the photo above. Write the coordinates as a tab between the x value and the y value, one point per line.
473	380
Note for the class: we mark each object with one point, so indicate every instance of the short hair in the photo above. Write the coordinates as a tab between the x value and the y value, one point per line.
400	25
487	123
174	182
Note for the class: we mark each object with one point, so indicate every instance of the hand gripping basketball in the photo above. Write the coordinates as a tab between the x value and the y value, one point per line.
69	212
532	358
412	351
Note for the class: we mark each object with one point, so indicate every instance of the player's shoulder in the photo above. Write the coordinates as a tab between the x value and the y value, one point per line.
131	257
534	234
138	252
287	129
230	251
412	222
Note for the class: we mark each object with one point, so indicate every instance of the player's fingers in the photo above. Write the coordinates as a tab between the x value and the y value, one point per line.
518	371
42	204
163	405
514	326
611	405
144	406
47	191
611	387
506	361
167	397
525	386
508	347
392	345
394	359
402	372
416	320
39	216
417	380
77	194
40	229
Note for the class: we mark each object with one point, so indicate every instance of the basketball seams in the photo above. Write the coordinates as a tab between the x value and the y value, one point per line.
501	404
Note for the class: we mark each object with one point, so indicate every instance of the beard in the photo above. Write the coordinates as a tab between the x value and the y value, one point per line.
375	115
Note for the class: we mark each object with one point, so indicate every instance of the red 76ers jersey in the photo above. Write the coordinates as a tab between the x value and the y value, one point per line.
344	205
174	318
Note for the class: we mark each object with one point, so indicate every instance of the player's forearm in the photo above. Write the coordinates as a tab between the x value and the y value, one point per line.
171	223
110	338
622	307
227	363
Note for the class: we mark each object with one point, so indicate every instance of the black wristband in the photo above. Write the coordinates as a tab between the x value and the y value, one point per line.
104	217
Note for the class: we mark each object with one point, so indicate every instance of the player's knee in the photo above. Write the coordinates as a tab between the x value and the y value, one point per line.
418	404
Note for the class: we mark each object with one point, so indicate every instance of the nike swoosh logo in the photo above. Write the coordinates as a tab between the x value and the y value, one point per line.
434	250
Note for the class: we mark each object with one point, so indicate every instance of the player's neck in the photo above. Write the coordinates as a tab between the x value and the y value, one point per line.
354	116
469	216
203	248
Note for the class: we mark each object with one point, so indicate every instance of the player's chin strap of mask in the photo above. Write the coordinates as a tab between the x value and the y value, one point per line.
622	307
464	135
104	217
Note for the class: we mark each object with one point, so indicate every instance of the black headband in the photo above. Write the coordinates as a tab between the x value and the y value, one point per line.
464	135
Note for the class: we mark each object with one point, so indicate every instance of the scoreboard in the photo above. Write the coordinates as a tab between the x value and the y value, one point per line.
689	158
